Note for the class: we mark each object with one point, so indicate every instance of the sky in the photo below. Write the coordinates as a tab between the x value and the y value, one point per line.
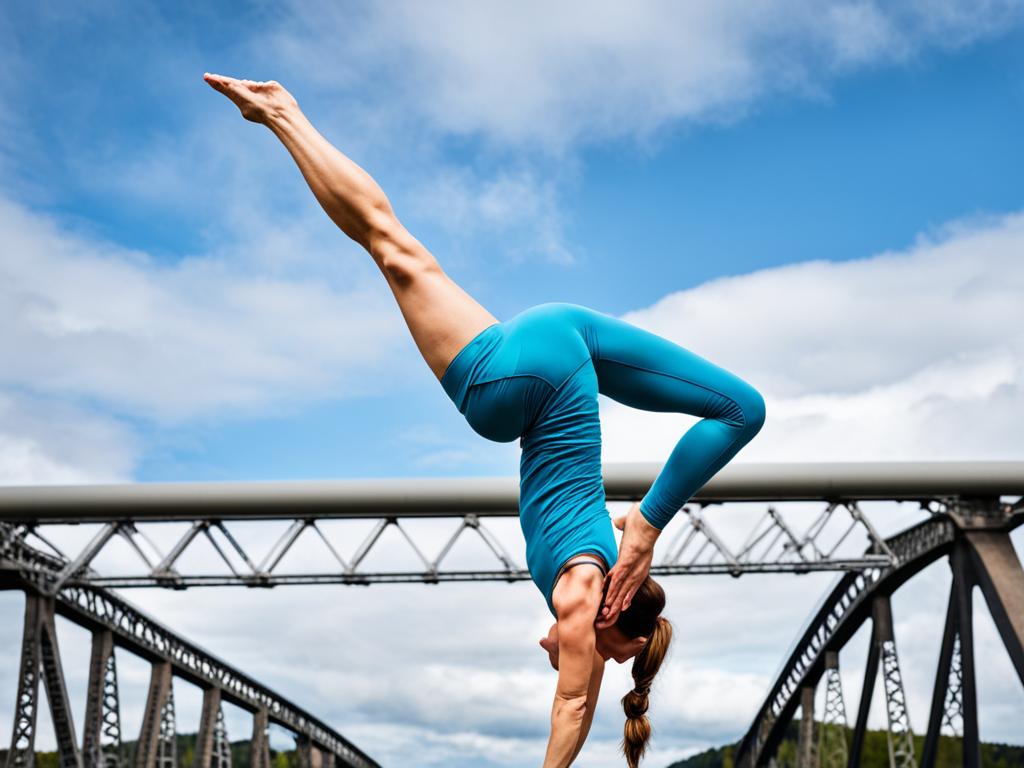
822	197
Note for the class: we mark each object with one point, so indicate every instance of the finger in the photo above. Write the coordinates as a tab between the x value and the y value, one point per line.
609	619
613	596
609	614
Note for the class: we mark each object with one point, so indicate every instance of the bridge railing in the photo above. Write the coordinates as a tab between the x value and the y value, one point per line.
964	505
838	536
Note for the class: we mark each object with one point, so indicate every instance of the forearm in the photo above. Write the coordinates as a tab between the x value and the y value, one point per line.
593	692
567	717
347	193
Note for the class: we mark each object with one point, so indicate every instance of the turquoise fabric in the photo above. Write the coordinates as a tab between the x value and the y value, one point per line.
536	377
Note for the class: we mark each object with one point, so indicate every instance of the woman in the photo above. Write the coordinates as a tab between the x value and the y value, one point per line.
535	377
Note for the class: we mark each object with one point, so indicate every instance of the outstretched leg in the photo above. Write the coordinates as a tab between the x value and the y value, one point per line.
644	370
441	316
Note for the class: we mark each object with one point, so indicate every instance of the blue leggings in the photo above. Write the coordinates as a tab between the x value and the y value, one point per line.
536	377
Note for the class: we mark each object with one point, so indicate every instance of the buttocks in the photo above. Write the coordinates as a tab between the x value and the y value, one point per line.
545	345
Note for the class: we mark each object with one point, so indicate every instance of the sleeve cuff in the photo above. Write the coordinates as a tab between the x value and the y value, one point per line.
647	517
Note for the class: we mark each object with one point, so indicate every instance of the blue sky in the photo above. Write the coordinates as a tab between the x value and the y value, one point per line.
835	170
178	307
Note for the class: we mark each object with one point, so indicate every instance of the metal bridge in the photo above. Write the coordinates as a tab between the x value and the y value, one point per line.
795	518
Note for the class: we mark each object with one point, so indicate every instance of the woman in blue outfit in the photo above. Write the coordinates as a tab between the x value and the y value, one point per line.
535	378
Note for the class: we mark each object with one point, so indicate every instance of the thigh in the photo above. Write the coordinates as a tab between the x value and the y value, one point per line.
441	316
643	370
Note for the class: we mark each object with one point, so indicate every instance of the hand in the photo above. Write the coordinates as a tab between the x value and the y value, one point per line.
550	644
630	571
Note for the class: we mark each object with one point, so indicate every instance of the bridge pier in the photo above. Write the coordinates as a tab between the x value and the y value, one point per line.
213	750
805	756
260	753
101	733
154	747
305	749
832	750
883	649
954	693
41	655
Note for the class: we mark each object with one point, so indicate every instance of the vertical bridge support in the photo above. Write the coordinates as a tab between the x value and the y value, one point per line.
805	757
985	559
260	743
152	748
883	647
101	737
39	653
832	748
213	750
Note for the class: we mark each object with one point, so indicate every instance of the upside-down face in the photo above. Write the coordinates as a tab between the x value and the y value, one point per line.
611	643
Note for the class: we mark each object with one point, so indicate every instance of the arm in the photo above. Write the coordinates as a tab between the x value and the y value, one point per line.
550	644
596	674
635	554
575	599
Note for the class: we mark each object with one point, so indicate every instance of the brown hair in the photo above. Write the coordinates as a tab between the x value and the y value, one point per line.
643	618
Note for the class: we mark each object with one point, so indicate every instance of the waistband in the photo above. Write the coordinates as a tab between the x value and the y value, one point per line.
464	368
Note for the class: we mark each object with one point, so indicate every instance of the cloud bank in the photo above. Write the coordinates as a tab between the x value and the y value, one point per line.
904	355
564	75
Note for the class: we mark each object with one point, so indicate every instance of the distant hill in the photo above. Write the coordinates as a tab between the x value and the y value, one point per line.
875	754
240	752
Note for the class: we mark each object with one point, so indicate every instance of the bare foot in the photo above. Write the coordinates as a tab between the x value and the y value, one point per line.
258	101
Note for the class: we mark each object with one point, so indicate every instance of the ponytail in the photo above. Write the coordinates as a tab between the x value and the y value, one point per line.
645	666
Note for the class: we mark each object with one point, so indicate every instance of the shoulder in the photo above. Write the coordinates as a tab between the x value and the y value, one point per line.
577	594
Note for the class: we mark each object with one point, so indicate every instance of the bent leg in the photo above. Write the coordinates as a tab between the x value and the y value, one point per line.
643	370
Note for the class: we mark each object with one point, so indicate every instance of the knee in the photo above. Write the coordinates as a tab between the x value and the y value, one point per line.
399	255
753	409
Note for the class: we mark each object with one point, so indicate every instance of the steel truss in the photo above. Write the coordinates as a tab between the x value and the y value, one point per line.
962	498
974	535
114	622
774	544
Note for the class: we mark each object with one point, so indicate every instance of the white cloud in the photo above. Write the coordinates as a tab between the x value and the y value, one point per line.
167	341
912	355
514	205
557	75
47	442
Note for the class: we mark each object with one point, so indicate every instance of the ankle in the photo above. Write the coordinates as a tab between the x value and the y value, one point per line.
282	115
